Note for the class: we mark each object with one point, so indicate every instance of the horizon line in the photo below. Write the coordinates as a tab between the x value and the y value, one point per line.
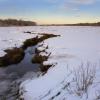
38	23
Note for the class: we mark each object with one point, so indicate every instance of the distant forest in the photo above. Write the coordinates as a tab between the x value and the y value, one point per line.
87	24
78	24
15	22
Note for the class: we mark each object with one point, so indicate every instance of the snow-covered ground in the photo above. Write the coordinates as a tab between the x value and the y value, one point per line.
12	37
76	49
75	52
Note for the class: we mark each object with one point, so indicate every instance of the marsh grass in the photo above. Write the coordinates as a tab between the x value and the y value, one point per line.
13	56
83	77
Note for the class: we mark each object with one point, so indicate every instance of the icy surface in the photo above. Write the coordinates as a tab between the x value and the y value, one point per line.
76	45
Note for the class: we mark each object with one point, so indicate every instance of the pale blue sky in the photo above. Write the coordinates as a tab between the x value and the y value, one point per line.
51	11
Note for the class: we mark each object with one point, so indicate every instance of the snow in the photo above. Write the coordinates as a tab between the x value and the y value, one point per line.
12	37
76	46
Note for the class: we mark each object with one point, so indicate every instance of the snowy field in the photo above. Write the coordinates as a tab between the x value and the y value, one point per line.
12	37
76	55
76	49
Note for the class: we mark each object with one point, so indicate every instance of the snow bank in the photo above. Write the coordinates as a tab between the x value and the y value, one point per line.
76	45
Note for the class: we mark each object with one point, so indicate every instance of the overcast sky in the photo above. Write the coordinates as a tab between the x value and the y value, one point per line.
51	11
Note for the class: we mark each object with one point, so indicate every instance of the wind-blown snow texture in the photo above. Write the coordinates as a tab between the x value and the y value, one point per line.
76	45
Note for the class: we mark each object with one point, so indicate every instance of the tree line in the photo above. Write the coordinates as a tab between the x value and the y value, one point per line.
77	24
15	22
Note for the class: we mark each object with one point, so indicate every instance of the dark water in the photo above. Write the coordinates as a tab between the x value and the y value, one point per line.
25	65
11	75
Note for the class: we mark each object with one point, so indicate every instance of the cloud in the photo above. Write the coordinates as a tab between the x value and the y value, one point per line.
74	5
83	2
69	7
73	1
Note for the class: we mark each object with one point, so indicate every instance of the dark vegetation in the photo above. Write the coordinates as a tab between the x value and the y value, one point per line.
16	55
14	22
78	24
36	40
38	58
87	24
44	68
13	56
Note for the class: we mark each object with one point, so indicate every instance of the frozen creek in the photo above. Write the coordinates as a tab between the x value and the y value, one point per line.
76	45
12	75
